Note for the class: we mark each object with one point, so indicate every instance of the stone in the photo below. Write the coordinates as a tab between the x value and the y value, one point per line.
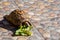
54	35
36	18
1	15
8	33
42	6
45	33
20	5
30	13
1	18
55	8
0	2
17	17
36	35
22	38
0	33
50	0
58	30
3	30
52	15
1	7
5	38
6	8
15	38
47	39
56	24
6	3
4	34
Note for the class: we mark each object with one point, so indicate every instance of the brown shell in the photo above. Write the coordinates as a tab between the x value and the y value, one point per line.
16	17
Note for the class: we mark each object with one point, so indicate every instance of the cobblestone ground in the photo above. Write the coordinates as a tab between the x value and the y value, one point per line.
44	15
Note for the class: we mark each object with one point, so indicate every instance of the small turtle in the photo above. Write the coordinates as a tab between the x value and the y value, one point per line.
18	17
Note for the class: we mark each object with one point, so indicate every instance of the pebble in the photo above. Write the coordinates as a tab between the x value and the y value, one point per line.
42	7
20	5
6	3
1	7
30	13
6	8
50	0
36	19
31	2
55	8
15	38
52	15
58	30
1	15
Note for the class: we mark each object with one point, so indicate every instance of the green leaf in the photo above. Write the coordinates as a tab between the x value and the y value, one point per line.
17	33
24	31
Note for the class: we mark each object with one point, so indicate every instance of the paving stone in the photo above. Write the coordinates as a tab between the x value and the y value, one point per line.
6	33
58	30
36	35
1	18
6	3
31	13
1	7
6	8
22	38
0	33
45	33
20	5
55	35
15	38
3	30
6	39
44	14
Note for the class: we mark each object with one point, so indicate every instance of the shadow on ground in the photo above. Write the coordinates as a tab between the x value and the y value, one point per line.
8	26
